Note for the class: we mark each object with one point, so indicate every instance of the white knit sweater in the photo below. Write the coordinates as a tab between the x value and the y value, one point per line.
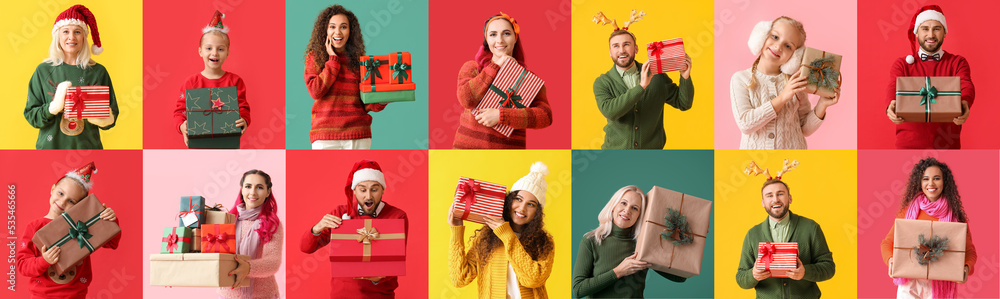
762	127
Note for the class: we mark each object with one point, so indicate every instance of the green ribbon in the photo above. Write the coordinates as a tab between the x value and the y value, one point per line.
78	230
511	99
371	66
399	69
928	95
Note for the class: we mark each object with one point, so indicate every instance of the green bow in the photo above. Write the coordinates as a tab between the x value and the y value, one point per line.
399	69
371	66
78	230
928	94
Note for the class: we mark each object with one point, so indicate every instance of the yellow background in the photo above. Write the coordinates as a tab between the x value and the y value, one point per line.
823	188
501	167
27	30
691	20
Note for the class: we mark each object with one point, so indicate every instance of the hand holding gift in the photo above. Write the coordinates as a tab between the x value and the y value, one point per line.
645	76
965	114
686	72
796	84
629	266
453	220
328	221
241	271
799	270
891	113
759	273
108	214
51	255
488	117
493	222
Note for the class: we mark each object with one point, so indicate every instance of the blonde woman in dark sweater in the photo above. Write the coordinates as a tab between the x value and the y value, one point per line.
606	266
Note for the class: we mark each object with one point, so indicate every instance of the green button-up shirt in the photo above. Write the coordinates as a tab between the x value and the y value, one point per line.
779	229
629	75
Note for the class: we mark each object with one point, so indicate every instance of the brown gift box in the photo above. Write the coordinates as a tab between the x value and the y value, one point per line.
219	217
71	252
949	266
808	56
663	256
945	107
196	245
193	270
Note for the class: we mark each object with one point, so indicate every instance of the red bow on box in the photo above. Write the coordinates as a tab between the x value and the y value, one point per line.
218	239
173	239
471	188
78	103
767	252
656	49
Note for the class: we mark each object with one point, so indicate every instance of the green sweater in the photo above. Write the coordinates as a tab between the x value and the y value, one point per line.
42	87
635	115
593	273
813	251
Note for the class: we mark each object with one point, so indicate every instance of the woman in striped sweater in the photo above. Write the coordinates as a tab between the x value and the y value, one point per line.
259	234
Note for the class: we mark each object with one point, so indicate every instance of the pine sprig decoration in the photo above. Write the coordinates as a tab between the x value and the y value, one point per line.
930	250
822	73
677	228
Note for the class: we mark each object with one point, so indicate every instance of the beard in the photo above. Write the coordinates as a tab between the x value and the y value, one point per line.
932	50
627	64
778	215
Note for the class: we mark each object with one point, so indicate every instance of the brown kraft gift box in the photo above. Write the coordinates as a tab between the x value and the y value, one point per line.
194	270
905	262
57	232
912	106
810	55
683	260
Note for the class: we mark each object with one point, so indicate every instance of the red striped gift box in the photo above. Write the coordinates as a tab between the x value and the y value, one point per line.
475	199
514	87
87	102
666	56
777	257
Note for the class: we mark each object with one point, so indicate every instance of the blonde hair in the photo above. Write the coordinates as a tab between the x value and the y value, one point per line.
797	25
605	218
57	56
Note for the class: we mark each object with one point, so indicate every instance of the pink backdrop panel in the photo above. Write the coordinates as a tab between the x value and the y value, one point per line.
456	35
882	176
882	27
214	174
831	27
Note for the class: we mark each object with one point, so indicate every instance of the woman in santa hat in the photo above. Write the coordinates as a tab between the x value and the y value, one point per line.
68	68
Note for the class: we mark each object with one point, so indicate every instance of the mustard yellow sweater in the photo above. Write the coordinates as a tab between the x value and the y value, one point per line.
531	274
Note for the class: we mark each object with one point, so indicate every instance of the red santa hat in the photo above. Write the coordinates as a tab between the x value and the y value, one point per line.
363	171
215	24
82	175
81	16
926	13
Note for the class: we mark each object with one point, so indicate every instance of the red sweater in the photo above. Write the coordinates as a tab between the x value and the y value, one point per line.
30	263
199	81
337	113
345	287
472	87
931	135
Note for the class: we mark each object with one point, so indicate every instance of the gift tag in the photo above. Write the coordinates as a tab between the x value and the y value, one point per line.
189	219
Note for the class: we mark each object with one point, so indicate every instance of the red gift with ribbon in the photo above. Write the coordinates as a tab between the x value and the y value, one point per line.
513	87
176	240
475	199
87	102
777	257
666	56
218	238
368	248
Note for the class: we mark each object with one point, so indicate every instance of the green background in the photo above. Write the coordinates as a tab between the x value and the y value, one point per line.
598	174
404	28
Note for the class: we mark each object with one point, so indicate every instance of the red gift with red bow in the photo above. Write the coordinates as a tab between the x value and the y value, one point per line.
475	199
777	257
218	238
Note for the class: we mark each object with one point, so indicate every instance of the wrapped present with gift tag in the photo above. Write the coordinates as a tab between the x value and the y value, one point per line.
195	270
192	212
928	99
666	56
78	232
218	215
177	240
475	199
387	78
513	87
87	102
822	69
218	238
673	235
211	117
368	248
777	257
924	249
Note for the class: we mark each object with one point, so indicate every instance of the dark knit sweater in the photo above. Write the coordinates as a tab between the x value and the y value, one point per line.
813	251
594	276
337	113
635	115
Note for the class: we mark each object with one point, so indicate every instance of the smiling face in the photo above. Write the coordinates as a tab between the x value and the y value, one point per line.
932	182
71	40
622	50
214	49
500	37
523	208
626	211
64	195
255	190
776	200
369	195
930	35
337	31
781	43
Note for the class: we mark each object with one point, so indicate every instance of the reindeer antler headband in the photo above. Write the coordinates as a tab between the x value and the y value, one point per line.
601	19
754	170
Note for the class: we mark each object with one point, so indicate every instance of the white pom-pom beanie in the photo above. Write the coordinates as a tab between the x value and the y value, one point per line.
534	182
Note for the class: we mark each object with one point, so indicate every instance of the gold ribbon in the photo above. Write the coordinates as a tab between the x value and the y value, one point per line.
365	236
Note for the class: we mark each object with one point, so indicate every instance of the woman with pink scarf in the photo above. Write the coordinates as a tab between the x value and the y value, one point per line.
931	194
259	235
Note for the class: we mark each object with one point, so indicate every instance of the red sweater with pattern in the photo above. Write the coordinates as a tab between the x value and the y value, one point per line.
931	135
472	87
337	113
199	81
30	263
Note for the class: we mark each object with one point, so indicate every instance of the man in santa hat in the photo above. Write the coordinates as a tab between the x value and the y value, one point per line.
928	30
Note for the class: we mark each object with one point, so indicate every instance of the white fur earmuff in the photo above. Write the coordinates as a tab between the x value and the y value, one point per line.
793	64
758	36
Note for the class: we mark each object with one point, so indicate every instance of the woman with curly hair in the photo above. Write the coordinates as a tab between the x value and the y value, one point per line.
931	194
339	119
513	256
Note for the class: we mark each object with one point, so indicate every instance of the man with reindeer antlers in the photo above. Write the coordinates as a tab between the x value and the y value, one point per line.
814	261
631	97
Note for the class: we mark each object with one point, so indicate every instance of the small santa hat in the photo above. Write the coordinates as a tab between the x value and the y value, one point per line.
216	24
82	175
363	171
81	16
534	182
926	13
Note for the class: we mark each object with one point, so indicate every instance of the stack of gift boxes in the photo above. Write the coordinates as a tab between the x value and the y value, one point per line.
387	78
200	250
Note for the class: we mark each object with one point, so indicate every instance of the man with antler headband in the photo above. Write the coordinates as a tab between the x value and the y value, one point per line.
814	261
631	98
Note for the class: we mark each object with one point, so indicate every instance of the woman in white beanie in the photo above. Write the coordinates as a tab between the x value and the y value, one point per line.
513	256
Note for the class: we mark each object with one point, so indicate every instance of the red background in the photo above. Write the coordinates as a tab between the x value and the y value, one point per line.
171	33
316	185
456	35
118	184
882	27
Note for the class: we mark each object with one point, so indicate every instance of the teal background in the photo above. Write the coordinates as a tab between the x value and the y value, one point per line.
598	174
400	125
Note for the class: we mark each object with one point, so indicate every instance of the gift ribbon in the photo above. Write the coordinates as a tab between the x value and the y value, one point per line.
510	97
470	188
823	66
928	266
217	207
656	49
173	240
209	112
192	209
78	231
78	103
399	69
928	95
768	250
365	236
217	239
673	248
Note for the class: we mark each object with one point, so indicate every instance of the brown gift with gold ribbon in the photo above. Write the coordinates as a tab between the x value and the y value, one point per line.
659	250
921	263
368	248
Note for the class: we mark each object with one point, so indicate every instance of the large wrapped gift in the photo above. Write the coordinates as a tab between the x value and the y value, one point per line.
194	270
218	238
513	87
177	240
87	102
219	215
672	237
78	232
822	69
666	56
387	78
192	212
211	117
368	248
928	250
777	257
928	99
476	199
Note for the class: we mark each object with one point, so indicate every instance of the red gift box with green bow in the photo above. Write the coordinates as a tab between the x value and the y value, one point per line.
387	78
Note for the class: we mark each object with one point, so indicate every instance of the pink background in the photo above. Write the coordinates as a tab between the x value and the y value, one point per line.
456	35
830	26
882	176
883	25
214	174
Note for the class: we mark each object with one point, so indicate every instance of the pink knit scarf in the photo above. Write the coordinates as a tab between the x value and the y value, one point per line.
938	209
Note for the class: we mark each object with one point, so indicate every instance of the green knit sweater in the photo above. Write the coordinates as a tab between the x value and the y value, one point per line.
813	251
593	273
40	91
635	115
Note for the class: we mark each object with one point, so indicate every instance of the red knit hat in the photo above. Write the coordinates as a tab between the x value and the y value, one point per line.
82	175
364	170
926	13
81	16
216	23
